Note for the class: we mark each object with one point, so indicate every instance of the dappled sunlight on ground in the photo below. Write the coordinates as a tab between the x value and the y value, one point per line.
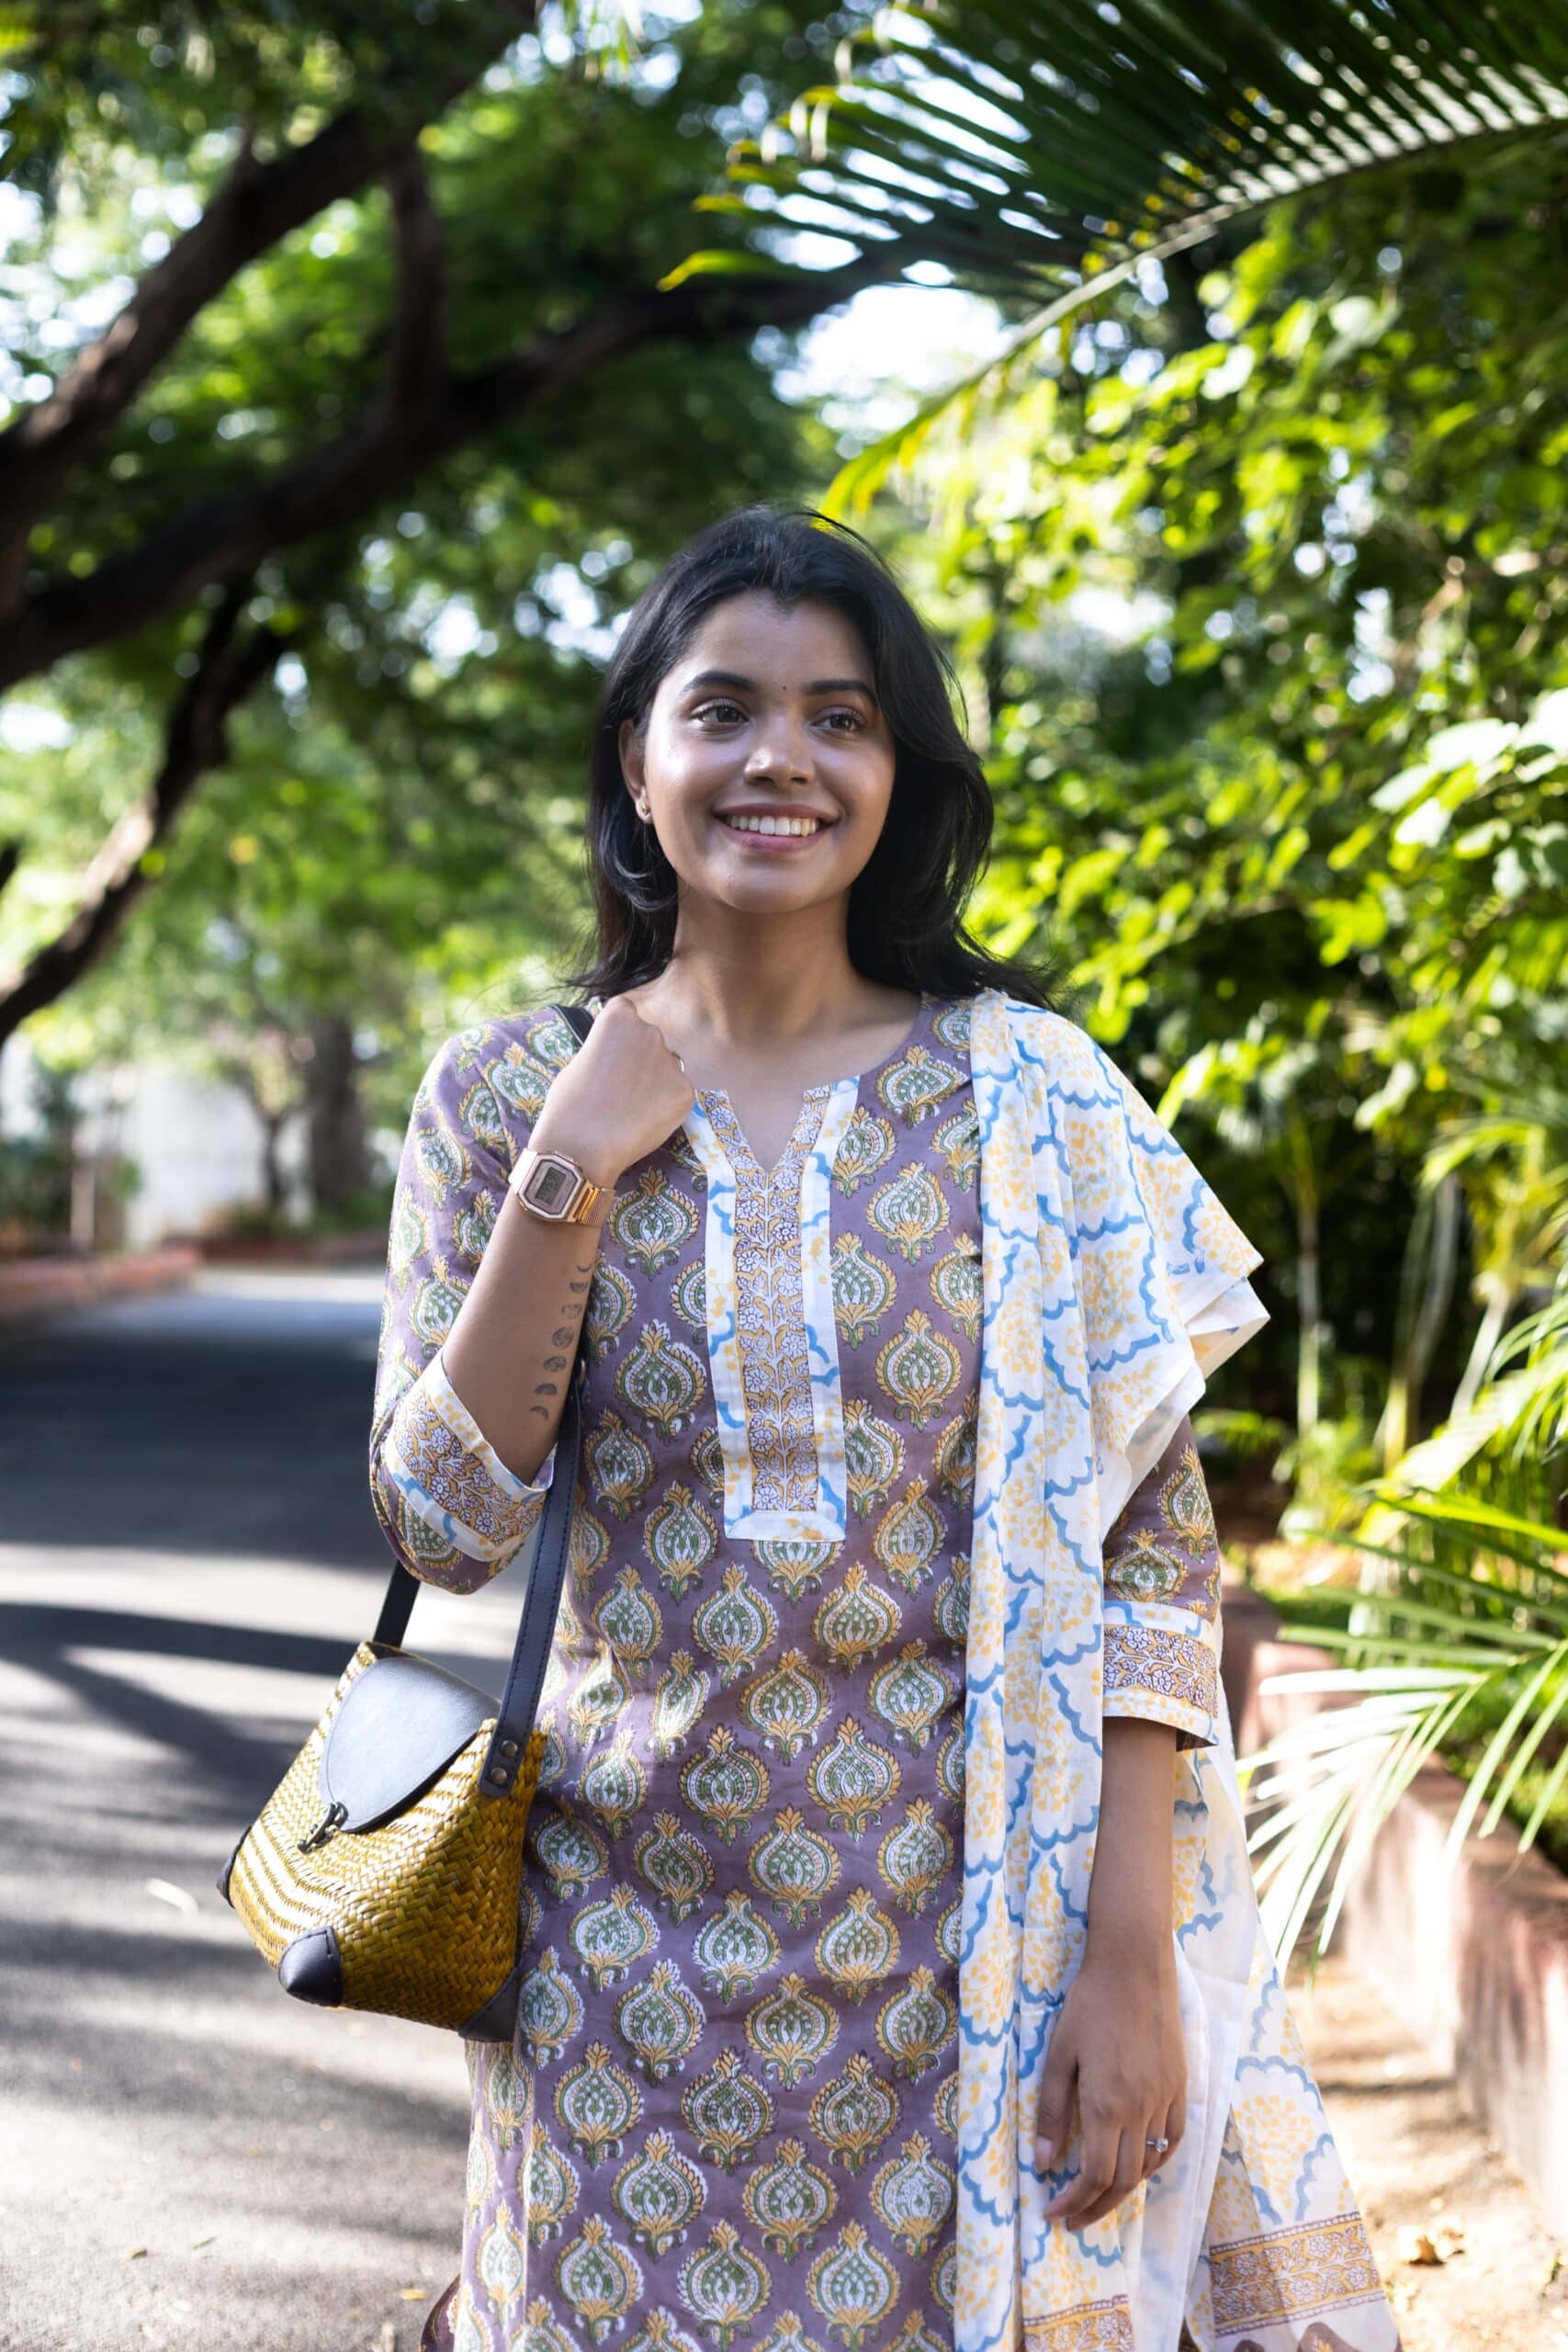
1431	2184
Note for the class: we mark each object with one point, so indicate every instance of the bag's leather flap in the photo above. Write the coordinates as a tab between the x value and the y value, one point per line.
399	1723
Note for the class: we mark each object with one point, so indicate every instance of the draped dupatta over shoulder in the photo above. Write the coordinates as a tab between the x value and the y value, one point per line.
1113	1282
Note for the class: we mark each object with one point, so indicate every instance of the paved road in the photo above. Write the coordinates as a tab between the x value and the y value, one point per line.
188	1556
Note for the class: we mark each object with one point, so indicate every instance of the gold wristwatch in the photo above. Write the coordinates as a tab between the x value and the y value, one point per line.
553	1186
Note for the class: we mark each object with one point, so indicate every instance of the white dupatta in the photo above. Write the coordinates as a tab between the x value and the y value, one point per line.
1113	1282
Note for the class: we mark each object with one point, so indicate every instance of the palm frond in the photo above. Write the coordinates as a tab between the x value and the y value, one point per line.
1045	152
1468	1628
1515	1401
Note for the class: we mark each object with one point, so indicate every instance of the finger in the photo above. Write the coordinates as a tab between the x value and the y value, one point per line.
1126	2177
1097	2170
1167	2127
1152	2156
1053	2116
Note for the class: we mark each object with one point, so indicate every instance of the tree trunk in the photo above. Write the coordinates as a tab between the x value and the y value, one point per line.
339	1158
1309	1291
1427	1286
271	1125
1500	1297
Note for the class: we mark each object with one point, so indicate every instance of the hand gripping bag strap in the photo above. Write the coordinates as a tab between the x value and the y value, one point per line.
541	1603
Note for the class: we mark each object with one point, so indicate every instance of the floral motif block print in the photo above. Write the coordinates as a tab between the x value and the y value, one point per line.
739	2111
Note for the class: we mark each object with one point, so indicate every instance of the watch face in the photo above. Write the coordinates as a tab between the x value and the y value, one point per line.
549	1188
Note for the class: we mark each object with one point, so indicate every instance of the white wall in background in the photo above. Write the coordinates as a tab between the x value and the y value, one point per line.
16	1088
196	1143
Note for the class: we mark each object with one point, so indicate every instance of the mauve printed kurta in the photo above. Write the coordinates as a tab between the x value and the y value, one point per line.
727	2117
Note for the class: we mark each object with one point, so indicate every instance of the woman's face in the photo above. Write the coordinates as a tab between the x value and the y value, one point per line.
768	714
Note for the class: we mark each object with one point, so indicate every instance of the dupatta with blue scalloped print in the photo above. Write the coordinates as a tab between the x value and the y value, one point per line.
1113	1281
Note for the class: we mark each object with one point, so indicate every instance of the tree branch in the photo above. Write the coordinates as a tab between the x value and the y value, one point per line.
419	329
224	538
228	666
256	205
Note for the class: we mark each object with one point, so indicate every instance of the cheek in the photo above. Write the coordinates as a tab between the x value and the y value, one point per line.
866	798
683	763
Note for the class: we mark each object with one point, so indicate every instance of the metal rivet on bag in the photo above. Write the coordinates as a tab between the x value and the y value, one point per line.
497	1774
509	1747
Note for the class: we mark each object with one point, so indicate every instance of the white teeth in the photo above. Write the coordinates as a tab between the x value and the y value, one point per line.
774	824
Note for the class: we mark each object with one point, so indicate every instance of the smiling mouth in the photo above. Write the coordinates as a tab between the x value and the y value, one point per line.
777	828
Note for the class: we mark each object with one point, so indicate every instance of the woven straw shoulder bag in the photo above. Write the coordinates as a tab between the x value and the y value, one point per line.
385	1871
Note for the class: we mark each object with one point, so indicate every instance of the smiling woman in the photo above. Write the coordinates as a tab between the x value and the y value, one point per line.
894	1981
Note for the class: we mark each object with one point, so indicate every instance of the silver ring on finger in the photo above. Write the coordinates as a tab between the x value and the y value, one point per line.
1160	2145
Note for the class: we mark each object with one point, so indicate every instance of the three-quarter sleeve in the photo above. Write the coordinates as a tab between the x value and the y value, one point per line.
451	1509
1162	1598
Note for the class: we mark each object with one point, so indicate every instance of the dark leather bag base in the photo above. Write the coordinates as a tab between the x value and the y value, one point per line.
399	1725
311	1969
497	2022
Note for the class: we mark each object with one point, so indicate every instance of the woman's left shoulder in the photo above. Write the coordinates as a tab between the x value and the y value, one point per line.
1057	1048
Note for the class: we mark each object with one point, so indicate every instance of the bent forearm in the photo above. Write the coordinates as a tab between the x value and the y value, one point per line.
510	1352
1129	1896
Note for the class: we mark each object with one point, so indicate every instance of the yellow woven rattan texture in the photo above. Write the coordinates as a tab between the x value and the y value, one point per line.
424	1908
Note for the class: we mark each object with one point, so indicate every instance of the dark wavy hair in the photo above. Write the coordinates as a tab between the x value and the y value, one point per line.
906	905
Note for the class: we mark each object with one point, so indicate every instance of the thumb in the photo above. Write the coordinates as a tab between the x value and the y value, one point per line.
1054	2115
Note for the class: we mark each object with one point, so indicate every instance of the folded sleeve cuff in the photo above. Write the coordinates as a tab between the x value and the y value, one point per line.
450	1477
1163	1664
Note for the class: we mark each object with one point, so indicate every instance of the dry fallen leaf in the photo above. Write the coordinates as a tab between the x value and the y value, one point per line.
412	2294
1429	2247
132	2252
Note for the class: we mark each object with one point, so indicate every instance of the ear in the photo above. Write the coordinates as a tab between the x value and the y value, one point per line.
630	750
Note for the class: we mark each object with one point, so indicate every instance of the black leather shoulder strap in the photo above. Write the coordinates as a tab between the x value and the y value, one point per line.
546	1574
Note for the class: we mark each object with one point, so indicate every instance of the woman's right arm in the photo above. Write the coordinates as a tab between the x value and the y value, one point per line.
484	1301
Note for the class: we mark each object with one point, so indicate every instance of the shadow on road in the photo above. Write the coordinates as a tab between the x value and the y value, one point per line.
233	1418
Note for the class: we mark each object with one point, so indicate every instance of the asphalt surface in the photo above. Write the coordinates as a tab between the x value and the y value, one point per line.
187	1557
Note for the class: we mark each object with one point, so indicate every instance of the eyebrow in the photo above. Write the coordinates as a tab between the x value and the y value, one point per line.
817	685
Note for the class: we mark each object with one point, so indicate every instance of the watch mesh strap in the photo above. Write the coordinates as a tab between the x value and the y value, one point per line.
547	1571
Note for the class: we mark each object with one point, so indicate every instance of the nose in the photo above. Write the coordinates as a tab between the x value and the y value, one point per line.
783	749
